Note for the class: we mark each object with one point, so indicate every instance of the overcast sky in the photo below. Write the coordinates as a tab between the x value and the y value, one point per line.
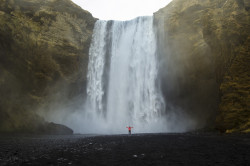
121	9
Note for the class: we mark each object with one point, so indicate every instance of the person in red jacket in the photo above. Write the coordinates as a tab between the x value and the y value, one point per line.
129	129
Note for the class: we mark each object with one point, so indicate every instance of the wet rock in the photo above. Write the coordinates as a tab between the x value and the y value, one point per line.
53	128
147	149
43	47
205	61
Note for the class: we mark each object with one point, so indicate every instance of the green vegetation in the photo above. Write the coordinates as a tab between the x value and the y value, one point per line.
42	44
209	42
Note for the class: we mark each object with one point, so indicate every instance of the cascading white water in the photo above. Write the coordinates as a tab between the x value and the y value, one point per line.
122	78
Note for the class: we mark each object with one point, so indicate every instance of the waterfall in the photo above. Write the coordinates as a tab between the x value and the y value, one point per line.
122	87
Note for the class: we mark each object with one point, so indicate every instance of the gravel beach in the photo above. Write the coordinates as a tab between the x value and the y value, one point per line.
138	149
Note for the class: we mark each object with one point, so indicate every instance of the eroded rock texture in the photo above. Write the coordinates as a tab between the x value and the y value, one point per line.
208	42
204	46
44	51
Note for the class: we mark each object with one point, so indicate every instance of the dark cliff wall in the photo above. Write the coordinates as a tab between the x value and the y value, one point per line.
205	62
43	51
206	67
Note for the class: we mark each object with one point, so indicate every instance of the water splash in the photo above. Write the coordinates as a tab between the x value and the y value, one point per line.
122	78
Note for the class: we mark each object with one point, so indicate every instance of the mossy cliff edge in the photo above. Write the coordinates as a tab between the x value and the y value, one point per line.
205	60
209	43
43	51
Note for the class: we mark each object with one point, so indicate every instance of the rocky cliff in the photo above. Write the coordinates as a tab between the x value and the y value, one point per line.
204	53
43	51
207	42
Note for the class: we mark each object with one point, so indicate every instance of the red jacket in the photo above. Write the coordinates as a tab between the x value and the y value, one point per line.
129	128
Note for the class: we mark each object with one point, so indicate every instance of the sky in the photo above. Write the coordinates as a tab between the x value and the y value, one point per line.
121	9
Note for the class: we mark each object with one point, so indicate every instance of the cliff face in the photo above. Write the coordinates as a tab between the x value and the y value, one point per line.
208	45
204	60
43	51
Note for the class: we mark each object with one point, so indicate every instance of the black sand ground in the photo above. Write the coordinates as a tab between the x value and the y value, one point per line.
142	149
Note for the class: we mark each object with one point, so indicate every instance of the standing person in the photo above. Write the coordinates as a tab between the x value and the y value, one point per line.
129	130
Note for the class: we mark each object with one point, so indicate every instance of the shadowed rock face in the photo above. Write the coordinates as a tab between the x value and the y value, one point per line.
44	51
206	61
